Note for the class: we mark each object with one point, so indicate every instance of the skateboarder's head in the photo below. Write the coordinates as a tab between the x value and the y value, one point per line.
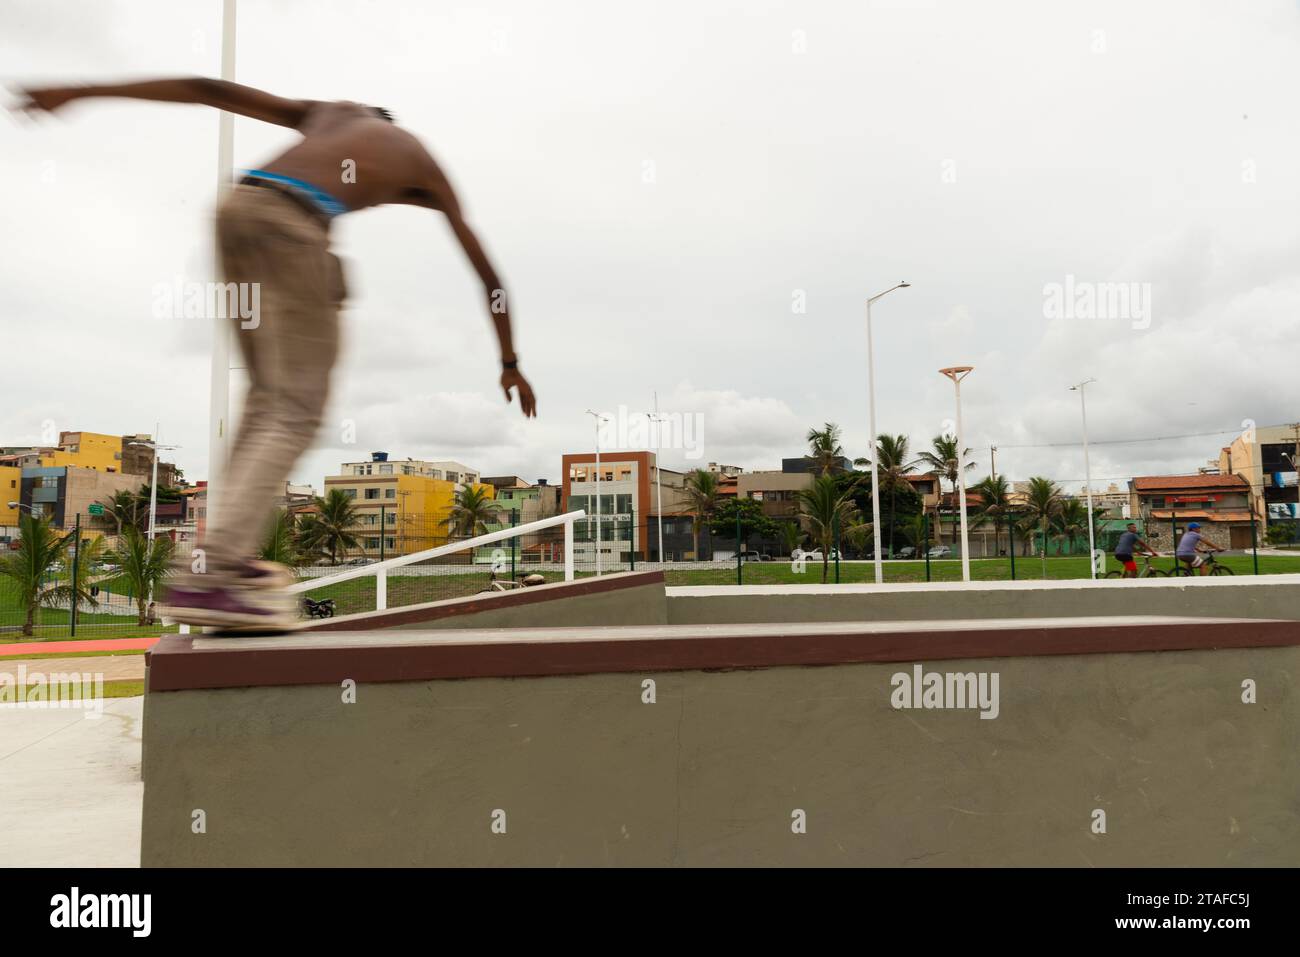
382	113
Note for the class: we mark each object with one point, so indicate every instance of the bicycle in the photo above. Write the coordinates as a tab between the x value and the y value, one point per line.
1182	571
1148	570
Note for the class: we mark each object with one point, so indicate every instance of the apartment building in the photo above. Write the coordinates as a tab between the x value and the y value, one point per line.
1266	458
629	509
1167	503
402	507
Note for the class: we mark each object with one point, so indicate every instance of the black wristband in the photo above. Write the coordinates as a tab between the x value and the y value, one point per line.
512	364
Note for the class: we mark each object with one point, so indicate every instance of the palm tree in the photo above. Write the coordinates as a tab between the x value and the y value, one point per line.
123	508
281	542
332	529
791	535
824	448
917	531
995	504
144	565
474	508
941	458
38	549
1072	521
73	584
892	453
826	507
702	501
1042	503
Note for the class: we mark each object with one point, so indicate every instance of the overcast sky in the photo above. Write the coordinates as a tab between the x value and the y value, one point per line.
662	186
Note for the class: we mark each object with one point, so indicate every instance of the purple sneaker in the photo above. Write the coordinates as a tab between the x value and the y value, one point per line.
232	609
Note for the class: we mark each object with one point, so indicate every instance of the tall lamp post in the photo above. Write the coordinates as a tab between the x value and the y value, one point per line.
956	374
875	465
659	488
153	448
598	418
1087	474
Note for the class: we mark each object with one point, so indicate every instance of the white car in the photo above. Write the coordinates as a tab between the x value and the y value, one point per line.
816	555
940	551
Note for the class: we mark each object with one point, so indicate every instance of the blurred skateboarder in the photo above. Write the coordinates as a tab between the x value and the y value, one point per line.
273	229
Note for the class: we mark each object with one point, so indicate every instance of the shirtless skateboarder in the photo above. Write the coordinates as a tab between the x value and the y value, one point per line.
273	229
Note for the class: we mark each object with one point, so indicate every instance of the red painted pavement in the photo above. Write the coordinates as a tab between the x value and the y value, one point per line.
69	647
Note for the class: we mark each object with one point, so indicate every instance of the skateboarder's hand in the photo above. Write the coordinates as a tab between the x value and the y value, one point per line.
46	100
511	378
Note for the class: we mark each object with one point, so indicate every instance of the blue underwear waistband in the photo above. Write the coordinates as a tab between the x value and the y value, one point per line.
326	203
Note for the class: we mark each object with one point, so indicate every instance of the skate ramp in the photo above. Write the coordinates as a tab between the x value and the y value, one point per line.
692	745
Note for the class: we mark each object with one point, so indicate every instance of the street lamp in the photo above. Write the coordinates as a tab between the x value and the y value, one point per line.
875	465
659	488
154	448
956	374
599	418
21	505
1087	474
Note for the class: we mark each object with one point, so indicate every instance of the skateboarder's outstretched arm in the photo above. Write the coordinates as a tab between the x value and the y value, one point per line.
442	197
221	94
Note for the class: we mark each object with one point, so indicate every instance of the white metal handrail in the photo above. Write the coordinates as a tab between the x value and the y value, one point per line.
380	569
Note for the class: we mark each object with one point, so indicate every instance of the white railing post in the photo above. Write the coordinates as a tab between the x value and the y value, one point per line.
568	550
381	589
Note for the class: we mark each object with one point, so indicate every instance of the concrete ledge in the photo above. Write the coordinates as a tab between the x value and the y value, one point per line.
1264	596
179	663
621	598
712	768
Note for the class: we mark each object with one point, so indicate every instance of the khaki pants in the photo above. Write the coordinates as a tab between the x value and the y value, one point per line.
288	349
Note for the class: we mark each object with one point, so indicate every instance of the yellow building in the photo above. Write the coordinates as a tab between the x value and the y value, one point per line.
11	487
88	450
400	514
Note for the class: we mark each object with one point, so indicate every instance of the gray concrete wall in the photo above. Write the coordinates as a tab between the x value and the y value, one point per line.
642	605
1267	596
712	772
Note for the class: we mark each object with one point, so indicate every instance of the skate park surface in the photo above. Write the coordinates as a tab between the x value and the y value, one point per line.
760	725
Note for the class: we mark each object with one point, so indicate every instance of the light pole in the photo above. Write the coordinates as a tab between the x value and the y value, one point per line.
956	374
1087	473
222	331
599	418
153	447
659	488
875	465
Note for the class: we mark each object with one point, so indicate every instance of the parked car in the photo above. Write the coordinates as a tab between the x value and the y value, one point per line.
940	551
754	557
360	561
906	552
816	555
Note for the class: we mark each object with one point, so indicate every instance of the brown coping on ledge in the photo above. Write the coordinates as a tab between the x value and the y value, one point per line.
471	604
224	663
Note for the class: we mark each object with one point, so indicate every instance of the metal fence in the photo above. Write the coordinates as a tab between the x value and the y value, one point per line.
704	552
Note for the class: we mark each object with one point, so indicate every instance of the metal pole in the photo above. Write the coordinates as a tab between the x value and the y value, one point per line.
631	537
76	561
1254	542
382	516
514	520
598	496
1087	475
961	486
153	486
740	575
925	543
875	455
222	330
568	551
659	487
1011	546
